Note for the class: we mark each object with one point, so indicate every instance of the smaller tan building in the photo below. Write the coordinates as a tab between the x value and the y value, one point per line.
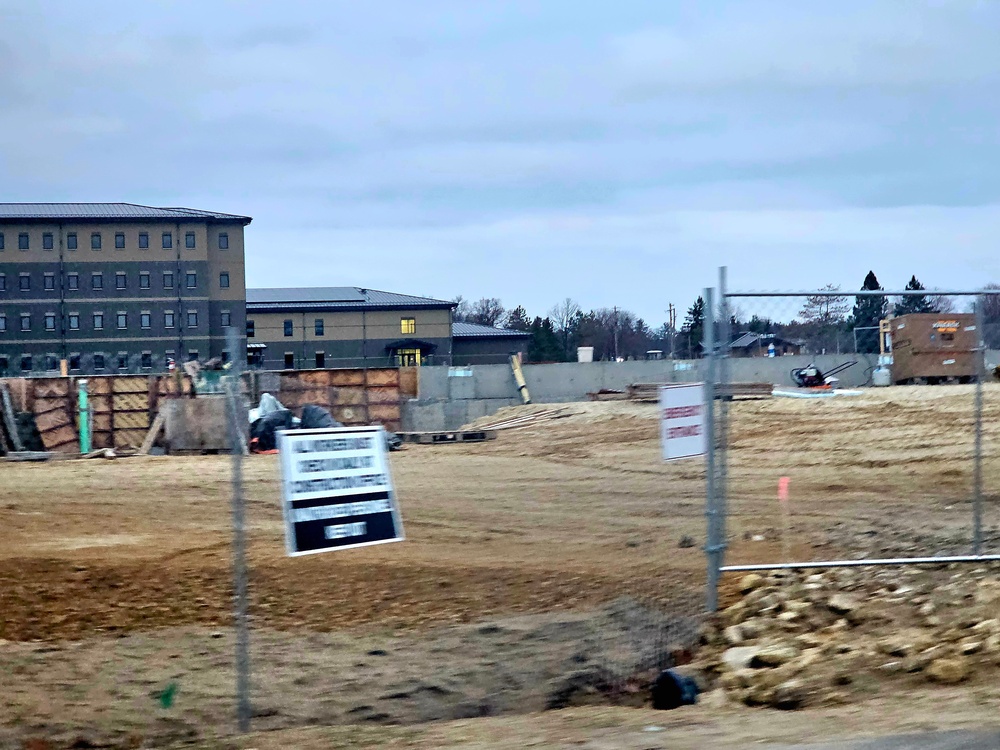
331	327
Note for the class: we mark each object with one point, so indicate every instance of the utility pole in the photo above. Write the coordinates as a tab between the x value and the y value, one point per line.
614	327
671	325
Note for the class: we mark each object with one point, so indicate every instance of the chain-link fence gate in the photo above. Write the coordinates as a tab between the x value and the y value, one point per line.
831	471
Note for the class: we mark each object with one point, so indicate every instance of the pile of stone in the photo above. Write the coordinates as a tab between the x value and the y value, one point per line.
797	639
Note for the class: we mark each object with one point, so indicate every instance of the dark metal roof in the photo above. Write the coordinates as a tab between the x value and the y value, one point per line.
471	330
336	298
761	339
107	211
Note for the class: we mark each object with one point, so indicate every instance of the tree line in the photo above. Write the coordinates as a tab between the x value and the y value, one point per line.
826	322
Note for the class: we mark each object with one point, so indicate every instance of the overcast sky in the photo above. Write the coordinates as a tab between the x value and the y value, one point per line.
614	152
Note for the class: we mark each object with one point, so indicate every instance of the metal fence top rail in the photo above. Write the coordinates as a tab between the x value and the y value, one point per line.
868	293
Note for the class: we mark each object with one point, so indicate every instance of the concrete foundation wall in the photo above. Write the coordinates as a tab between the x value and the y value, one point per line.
449	397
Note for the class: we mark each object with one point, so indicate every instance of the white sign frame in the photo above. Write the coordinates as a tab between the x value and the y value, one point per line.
676	401
289	474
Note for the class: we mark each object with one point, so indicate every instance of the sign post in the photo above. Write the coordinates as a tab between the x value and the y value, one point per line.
683	432
336	490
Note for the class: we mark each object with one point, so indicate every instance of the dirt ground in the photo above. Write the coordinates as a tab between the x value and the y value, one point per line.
115	577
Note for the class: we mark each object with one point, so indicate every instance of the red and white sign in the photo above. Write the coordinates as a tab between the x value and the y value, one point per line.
682	421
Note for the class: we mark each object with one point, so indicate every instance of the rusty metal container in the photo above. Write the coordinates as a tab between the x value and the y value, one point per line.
934	348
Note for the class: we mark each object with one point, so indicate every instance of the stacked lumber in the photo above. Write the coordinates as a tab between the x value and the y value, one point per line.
650	392
525	420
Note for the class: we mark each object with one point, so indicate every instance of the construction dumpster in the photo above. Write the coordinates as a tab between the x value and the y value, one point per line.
929	348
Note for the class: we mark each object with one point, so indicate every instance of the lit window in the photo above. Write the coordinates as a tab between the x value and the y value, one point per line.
189	240
408	325
227	319
319	326
288	328
71	241
168	240
22	241
143	240
95	241
223	241
47	241
224	280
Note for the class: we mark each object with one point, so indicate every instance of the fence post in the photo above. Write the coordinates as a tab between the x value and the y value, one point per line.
237	422
722	377
977	465
711	506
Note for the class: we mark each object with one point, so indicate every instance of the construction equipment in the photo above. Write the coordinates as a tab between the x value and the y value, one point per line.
811	376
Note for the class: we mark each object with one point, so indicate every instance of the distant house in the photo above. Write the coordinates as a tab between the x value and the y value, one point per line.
759	345
482	345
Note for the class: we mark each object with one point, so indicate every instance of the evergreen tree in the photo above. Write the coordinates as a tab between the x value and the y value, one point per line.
920	303
517	319
544	345
693	330
869	311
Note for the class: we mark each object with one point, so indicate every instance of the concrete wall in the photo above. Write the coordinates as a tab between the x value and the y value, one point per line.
449	397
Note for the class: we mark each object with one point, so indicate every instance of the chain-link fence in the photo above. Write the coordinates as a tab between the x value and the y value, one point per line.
833	470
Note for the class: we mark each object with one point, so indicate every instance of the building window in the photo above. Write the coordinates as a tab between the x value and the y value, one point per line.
1	241
319	326
4	364
168	279
50	321
71	241
51	363
144	279
3	323
288	328
193	355
408	325
121	280
320	360
122	360
289	360
145	320
26	363
189	240
95	240
24	282
191	280
97	280
49	282
227	319
251	329
223	241
192	319
168	319
168	240
98	321
3	282
224	280
143	240
47	241
72	281
74	321
122	319
98	361
119	240
74	361
147	361
22	241
25	322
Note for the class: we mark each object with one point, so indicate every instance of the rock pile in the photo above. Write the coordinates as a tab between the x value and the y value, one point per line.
795	639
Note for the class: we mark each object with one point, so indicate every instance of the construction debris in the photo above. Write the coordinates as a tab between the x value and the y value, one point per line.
650	392
456	436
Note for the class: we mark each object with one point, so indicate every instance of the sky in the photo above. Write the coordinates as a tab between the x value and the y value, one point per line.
616	153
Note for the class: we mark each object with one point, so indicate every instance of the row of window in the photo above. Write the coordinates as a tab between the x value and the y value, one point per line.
120	361
121	320
97	241
406	325
97	281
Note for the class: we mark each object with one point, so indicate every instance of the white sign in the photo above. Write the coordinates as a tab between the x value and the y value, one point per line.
682	421
336	489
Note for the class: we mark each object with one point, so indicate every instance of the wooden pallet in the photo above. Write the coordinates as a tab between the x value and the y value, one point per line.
458	436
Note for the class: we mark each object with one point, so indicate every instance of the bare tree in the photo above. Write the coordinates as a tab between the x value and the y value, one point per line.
941	303
825	310
463	311
565	317
487	311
